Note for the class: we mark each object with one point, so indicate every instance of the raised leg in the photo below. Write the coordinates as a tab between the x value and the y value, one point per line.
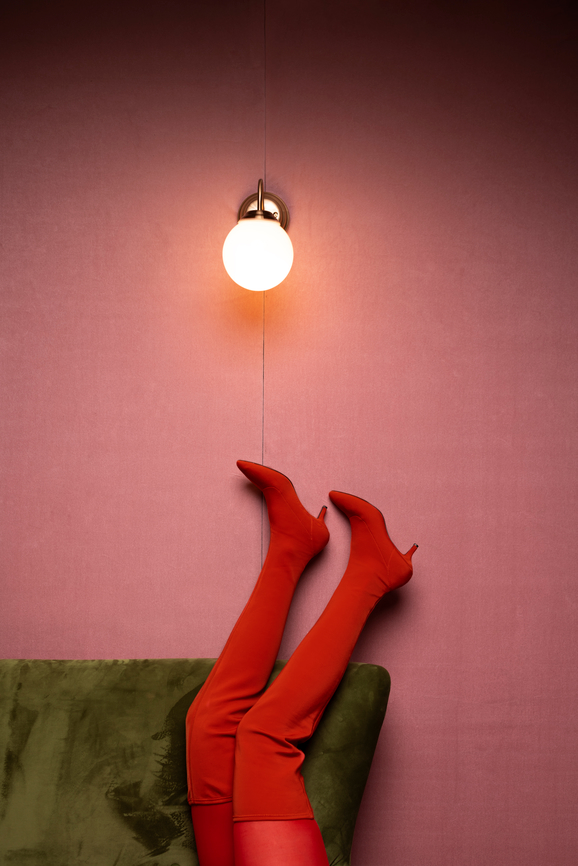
243	668
268	786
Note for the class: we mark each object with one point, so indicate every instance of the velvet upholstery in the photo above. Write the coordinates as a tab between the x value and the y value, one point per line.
93	760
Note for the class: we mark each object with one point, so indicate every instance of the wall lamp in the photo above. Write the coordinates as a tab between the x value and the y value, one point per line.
257	252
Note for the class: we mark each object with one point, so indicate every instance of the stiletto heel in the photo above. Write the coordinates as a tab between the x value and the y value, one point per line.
371	546
288	518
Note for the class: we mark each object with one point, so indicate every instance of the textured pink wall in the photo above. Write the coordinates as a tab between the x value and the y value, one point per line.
422	354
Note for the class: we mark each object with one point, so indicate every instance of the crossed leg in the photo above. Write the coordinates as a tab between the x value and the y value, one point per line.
243	668
259	764
272	814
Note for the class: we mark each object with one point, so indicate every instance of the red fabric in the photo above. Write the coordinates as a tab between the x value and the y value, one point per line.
268	784
213	826
243	668
279	843
242	745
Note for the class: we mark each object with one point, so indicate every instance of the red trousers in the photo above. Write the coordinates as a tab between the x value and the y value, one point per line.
242	743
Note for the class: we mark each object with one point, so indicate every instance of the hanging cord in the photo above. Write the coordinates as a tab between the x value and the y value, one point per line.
264	94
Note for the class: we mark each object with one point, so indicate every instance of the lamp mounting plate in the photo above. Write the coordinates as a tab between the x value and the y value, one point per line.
271	203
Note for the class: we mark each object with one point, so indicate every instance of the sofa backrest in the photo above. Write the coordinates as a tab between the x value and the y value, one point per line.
92	760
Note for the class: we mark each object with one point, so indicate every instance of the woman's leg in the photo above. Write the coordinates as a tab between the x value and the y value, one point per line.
243	668
272	814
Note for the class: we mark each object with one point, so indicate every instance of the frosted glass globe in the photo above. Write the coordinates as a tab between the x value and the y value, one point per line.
258	254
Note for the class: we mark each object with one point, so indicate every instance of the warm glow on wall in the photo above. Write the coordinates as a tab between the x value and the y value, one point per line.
257	252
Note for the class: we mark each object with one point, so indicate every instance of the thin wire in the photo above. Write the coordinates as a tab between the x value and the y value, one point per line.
263	293
264	94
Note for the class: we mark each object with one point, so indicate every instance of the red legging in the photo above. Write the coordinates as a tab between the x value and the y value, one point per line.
243	761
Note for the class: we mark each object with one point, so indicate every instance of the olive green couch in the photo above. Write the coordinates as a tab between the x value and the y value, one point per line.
92	760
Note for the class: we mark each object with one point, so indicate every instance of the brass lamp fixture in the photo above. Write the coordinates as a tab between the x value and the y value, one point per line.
258	252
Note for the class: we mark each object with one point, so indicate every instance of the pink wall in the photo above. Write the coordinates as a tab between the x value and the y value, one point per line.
422	354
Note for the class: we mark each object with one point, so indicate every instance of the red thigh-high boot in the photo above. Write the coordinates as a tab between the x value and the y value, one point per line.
243	668
274	824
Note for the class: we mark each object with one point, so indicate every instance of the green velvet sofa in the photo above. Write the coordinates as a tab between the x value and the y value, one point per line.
93	760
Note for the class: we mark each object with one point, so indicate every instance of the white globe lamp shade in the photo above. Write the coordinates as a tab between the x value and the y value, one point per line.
258	252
